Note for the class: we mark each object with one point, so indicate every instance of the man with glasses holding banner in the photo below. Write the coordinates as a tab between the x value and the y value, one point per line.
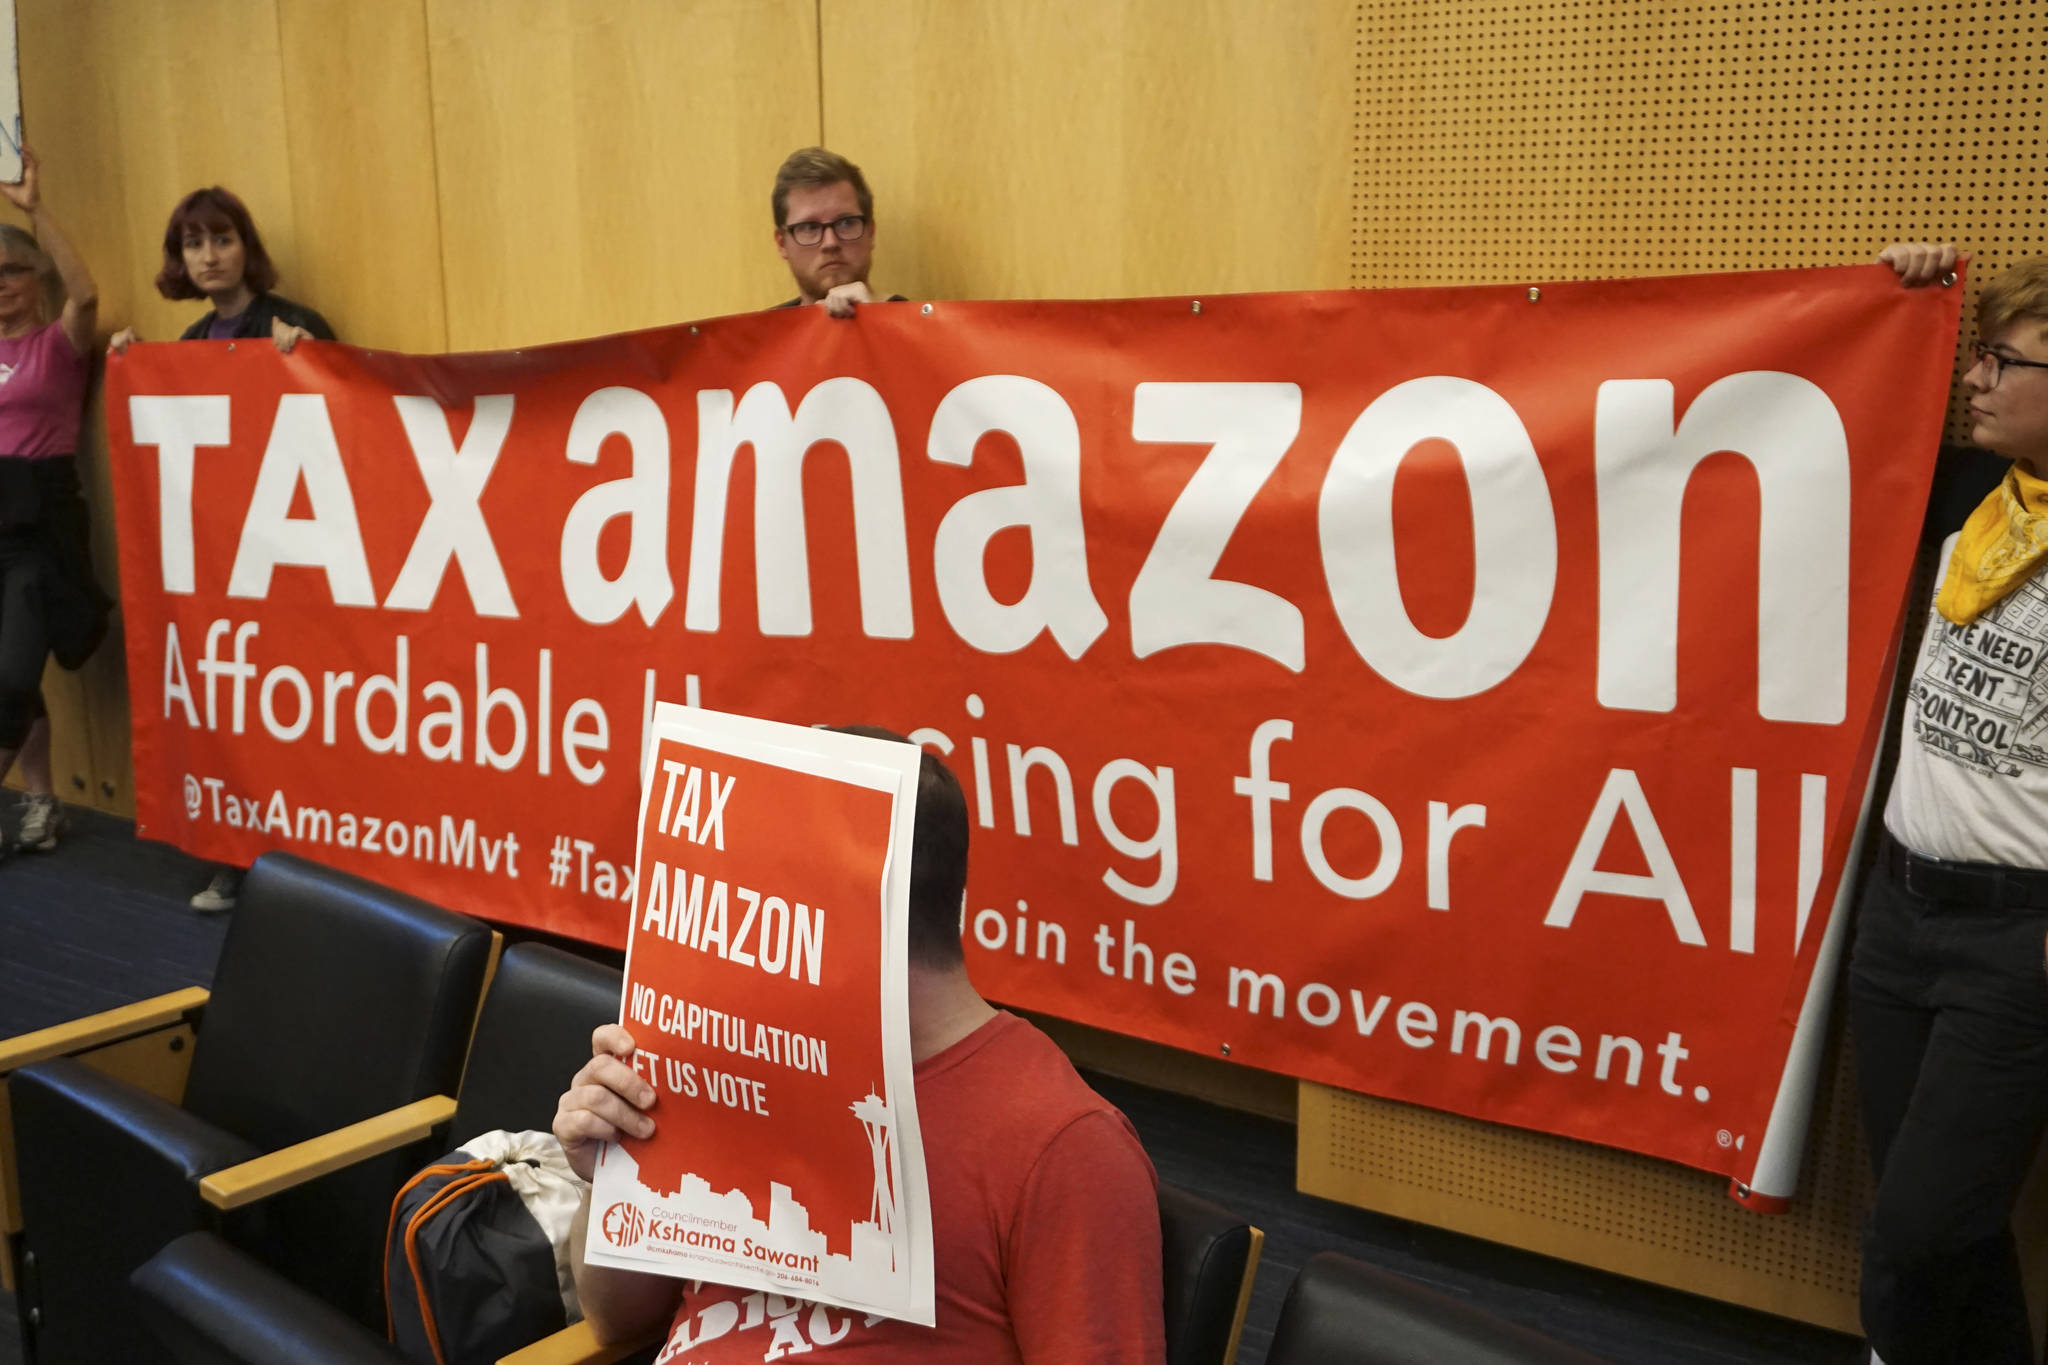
1948	995
825	229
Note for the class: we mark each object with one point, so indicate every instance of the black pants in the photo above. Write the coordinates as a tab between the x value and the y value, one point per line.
1948	1005
48	599
24	645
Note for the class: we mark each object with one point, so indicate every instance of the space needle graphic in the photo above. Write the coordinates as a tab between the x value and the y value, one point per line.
873	1114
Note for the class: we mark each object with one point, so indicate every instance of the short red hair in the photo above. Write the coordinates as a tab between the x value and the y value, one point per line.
210	210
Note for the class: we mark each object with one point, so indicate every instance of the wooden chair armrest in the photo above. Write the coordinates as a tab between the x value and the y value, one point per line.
1244	1295
97	1030
294	1165
576	1345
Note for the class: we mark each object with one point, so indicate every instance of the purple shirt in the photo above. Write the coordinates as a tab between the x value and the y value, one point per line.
42	393
223	329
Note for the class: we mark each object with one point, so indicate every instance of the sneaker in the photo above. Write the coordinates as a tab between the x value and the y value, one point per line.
42	820
219	894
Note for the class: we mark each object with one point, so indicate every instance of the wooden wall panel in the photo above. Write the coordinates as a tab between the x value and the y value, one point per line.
315	113
129	103
1553	139
196	99
132	103
1096	148
68	117
359	126
607	167
1633	1215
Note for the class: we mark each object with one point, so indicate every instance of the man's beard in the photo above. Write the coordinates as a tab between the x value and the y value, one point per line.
833	274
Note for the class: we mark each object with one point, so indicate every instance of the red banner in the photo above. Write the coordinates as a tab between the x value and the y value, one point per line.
1463	696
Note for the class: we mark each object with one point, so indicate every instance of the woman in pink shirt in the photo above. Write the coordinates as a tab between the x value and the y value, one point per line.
50	603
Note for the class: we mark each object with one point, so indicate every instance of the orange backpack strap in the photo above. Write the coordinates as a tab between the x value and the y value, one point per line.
440	1200
452	1168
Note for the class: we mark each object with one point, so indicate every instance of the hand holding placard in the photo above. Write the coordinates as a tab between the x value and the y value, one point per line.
606	1100
797	1169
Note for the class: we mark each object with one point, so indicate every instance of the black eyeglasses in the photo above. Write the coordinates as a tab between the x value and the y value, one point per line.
851	228
1999	363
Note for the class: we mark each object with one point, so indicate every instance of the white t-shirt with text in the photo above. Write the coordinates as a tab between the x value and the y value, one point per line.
1972	783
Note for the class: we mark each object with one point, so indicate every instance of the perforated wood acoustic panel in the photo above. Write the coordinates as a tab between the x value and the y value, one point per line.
1574	139
1577	139
1634	1215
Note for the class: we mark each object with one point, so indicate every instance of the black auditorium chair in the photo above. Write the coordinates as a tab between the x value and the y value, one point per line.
205	1301
1209	1256
338	1019
211	1305
1344	1312
532	1036
208	1304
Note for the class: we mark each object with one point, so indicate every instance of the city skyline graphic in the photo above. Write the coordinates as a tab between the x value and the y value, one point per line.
712	1227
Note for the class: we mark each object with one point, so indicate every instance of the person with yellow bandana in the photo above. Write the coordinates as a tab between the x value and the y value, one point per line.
1948	982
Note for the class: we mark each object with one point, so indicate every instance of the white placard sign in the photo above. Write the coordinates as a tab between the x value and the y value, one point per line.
10	96
766	990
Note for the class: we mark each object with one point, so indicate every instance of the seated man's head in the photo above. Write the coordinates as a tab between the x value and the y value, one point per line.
824	221
2008	385
938	859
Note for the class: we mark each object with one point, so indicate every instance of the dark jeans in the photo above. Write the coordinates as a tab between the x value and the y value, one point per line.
1948	1007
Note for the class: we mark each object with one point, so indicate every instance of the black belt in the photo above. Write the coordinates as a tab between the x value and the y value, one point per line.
1988	886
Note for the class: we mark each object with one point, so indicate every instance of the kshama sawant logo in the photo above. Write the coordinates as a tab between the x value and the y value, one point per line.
624	1224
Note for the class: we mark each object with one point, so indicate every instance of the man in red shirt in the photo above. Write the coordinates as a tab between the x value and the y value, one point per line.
1045	1222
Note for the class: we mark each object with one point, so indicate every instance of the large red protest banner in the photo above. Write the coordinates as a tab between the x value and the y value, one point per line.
1463	696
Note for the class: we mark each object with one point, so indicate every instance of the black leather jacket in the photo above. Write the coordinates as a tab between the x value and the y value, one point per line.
257	317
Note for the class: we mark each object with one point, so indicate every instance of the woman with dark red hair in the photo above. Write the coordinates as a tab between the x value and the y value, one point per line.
213	252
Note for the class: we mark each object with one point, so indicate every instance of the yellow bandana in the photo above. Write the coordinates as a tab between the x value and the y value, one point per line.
1999	547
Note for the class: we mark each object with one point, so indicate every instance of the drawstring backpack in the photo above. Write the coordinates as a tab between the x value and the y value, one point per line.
476	1256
